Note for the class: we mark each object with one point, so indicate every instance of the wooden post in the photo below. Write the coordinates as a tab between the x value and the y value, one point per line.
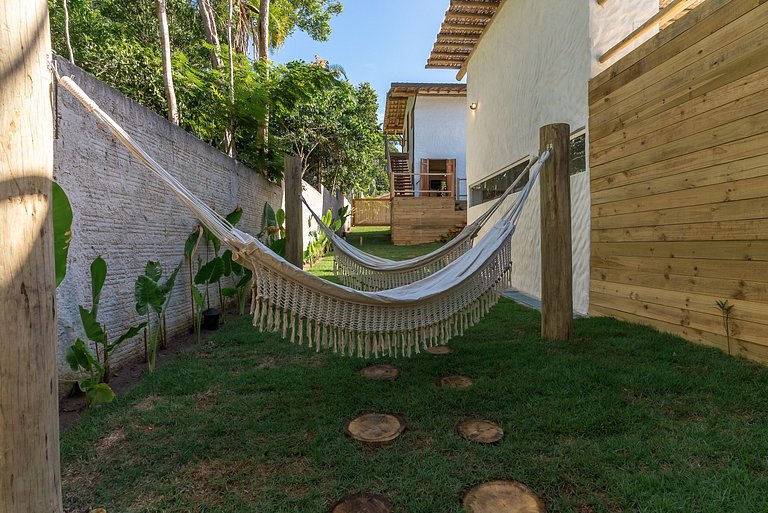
294	216
30	478
556	268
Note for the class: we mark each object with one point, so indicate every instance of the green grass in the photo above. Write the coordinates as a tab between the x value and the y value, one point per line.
620	419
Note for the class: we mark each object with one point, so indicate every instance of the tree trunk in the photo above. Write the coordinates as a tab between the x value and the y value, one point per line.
229	136
66	31
30	478
211	34
264	56
165	48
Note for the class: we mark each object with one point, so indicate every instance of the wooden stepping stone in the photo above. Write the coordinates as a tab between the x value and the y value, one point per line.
375	428
362	503
439	350
382	372
502	497
481	431
455	382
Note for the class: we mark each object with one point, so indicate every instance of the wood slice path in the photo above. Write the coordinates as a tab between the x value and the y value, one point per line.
502	497
439	350
381	372
362	503
375	428
481	431
454	382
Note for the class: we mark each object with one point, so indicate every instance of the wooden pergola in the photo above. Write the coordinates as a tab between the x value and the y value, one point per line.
464	24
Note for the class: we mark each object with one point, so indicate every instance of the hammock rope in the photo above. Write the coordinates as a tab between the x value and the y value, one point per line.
363	271
307	309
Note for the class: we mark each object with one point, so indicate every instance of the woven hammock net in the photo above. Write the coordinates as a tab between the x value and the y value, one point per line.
363	271
309	310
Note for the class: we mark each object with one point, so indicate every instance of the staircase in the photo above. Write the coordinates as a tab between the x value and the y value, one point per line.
403	179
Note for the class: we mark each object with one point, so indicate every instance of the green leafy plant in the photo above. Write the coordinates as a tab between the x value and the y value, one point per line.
79	356
153	297
206	275
62	230
726	310
243	276
319	244
273	230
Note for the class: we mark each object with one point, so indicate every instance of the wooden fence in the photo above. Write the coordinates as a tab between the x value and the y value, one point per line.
371	212
679	179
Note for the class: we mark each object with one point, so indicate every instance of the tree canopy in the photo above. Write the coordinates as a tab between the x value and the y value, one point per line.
117	41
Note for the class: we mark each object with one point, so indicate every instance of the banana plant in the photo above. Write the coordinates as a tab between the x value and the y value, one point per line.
153	297
206	275
243	275
62	230
273	230
202	234
79	356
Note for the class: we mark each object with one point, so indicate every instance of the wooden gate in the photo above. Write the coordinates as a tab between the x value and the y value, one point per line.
679	179
371	212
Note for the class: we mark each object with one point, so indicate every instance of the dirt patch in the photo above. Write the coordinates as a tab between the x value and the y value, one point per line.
71	407
110	442
146	404
204	399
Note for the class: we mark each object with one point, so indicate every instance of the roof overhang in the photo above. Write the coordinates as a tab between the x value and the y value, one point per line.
400	94
464	25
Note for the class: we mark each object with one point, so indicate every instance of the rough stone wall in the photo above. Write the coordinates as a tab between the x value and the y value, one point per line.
125	214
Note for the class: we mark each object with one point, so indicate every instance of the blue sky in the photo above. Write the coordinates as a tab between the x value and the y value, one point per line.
378	41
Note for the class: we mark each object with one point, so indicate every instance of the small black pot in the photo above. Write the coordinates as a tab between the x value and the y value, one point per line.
211	319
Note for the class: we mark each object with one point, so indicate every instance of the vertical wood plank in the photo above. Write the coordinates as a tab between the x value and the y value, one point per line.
294	227
29	424
556	265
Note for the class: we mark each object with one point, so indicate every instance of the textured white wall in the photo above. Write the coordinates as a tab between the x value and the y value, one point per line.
440	128
320	201
125	214
615	20
531	69
526	242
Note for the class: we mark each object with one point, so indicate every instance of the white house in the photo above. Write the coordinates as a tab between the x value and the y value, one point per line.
428	178
528	64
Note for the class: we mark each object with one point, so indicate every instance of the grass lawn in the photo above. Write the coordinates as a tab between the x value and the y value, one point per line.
621	419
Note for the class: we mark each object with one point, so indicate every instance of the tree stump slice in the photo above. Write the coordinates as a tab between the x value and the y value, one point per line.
439	350
502	497
455	382
481	431
375	428
362	503
382	372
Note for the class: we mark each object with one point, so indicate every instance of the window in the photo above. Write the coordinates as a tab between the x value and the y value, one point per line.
495	186
578	152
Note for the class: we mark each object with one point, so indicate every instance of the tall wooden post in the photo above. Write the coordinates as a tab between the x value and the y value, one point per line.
294	216
30	478
556	267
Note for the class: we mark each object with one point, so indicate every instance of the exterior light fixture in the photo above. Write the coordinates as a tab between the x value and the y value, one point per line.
473	106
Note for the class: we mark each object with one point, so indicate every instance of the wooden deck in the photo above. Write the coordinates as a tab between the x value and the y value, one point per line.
418	220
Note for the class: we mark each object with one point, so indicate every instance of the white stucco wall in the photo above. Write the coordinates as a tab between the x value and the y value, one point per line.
612	22
531	69
440	132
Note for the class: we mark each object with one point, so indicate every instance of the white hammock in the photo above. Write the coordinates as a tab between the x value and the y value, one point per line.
363	271
329	316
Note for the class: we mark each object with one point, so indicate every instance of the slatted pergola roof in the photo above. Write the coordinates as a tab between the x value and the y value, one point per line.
397	100
464	24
